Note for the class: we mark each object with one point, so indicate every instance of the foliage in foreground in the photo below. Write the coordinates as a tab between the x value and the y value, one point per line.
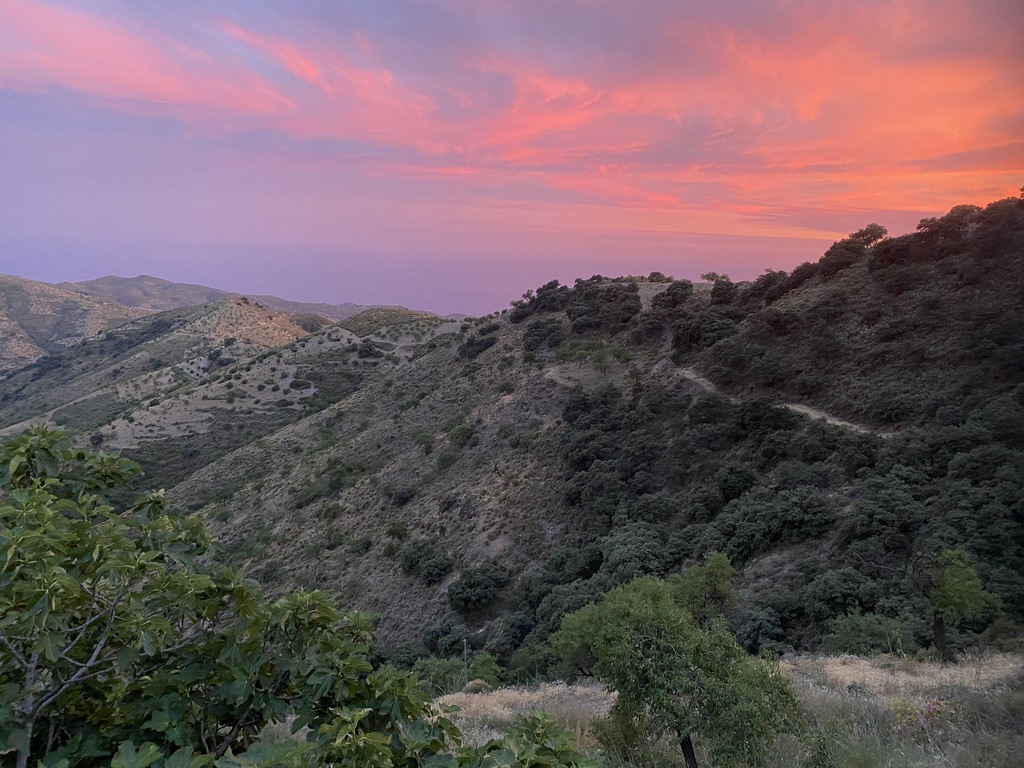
684	678
123	643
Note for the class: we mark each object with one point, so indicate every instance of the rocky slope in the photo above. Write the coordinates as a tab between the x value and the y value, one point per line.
38	318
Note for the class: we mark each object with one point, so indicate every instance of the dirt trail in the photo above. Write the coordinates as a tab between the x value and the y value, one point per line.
692	374
815	413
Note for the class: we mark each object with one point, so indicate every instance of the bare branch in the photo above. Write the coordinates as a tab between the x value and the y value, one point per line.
13	651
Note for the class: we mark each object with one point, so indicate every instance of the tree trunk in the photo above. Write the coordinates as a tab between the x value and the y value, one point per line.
939	637
21	759
688	754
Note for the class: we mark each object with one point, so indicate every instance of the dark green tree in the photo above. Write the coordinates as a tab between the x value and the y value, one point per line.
708	590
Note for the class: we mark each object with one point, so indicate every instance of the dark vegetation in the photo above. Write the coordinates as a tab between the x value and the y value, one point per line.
906	535
125	643
924	333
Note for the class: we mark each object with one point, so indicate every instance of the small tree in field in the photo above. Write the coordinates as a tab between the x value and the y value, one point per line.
691	681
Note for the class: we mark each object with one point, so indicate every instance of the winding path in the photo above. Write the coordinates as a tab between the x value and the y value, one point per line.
692	374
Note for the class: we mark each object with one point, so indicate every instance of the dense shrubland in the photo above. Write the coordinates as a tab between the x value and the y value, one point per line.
924	333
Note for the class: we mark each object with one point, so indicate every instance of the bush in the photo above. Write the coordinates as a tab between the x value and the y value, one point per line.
867	634
403	496
702	330
477	587
677	295
539	333
422	559
461	434
447	638
474	345
761	625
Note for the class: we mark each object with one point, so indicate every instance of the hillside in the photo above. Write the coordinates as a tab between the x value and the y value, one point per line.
155	294
38	318
481	479
119	372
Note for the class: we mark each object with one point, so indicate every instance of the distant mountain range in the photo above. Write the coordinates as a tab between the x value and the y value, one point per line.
37	318
155	294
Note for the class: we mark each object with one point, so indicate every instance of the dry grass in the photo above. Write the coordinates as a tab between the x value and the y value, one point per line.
898	712
860	713
483	716
893	675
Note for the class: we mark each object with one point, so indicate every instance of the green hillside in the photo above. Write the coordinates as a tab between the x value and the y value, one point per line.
481	479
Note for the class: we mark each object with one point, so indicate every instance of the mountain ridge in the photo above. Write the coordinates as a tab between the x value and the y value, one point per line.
157	294
481	479
37	318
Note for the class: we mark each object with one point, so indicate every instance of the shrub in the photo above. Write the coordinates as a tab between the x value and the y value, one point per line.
403	496
461	434
761	625
866	634
678	294
474	345
447	638
477	587
423	559
547	332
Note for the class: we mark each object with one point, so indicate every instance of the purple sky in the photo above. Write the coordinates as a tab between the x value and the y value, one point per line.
449	155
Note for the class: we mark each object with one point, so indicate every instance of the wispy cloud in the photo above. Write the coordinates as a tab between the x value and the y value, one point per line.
44	47
775	119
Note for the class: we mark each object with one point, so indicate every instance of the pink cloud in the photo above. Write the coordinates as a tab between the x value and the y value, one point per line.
43	46
894	106
355	102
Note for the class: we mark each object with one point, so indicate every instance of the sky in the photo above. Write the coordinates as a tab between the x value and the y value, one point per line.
448	155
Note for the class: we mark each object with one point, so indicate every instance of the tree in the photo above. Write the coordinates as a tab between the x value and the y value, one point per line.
714	277
121	636
686	679
956	593
707	590
870	235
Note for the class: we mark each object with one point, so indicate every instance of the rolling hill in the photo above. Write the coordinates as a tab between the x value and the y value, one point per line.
37	319
153	293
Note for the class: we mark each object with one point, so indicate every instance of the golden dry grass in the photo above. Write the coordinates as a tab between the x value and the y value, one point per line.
887	711
893	675
484	716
